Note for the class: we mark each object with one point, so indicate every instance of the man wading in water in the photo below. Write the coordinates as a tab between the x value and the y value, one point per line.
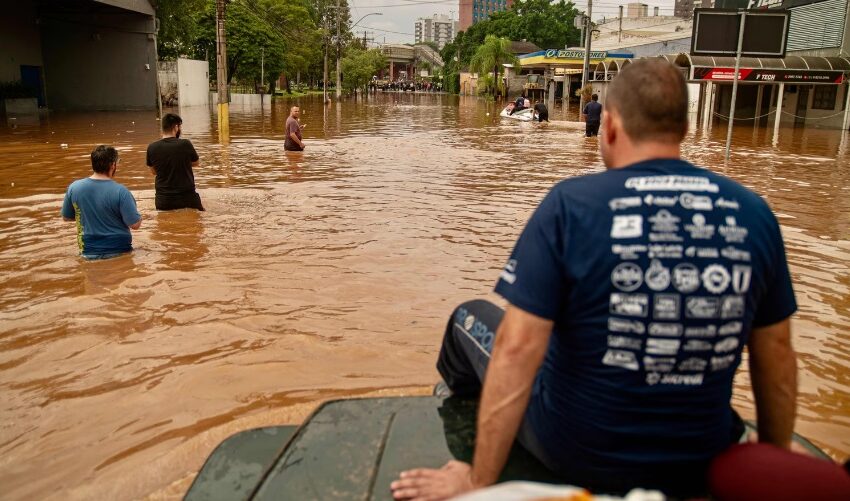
293	131
632	294
171	160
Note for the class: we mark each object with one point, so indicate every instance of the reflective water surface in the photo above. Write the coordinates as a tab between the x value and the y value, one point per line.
319	275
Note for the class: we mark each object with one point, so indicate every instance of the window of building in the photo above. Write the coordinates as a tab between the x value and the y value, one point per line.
824	98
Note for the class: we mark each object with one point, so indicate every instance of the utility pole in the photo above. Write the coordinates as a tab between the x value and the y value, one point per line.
338	50
620	34
262	70
588	35
221	72
325	77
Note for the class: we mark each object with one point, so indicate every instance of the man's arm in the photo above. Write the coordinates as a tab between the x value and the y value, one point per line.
521	343
137	225
294	137
196	163
773	371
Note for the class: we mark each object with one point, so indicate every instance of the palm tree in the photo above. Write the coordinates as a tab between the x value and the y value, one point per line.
490	56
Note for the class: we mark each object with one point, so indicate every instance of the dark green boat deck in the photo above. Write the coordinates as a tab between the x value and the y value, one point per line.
353	449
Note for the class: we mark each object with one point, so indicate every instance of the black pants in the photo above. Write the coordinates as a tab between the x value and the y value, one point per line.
543	116
174	202
591	128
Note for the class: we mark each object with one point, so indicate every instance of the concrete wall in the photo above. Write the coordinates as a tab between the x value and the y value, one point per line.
168	86
194	82
20	43
102	60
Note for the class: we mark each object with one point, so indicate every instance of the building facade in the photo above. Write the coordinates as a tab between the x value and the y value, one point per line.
439	29
685	8
472	11
82	55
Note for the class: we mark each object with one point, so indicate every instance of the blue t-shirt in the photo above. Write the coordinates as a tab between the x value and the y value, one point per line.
593	110
654	275
104	210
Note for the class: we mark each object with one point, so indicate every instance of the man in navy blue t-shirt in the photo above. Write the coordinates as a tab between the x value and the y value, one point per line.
104	210
592	116
632	294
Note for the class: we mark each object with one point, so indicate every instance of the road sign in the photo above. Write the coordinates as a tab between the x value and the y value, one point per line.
715	32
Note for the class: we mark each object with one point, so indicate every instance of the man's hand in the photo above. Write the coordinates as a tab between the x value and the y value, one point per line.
453	479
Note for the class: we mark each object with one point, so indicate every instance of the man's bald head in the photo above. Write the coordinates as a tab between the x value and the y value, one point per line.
294	111
651	98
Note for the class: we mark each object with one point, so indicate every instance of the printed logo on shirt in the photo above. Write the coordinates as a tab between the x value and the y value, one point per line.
722	203
664	222
735	254
665	237
671	183
681	379
703	252
630	226
715	278
657	276
695	202
656	346
508	273
702	307
732	307
659	364
686	278
468	322
705	331
622	359
741	276
624	342
693	364
662	329
698	229
731	328
732	232
627	277
728	344
720	363
628	251
624	203
629	305
696	345
665	251
628	326
660	201
666	307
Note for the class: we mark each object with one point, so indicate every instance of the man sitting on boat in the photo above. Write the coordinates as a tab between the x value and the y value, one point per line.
632	293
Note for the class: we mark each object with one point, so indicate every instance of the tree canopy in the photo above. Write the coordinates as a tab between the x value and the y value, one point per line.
489	58
358	67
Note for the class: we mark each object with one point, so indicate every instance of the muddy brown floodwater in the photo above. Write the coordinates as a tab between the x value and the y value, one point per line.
319	275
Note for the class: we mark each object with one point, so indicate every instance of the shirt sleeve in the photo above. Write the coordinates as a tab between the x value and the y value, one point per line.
129	214
533	278
193	155
778	301
148	157
68	211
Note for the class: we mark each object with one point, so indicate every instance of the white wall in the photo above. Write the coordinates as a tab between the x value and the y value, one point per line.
193	80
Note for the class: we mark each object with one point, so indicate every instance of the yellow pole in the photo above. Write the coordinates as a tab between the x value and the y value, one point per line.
221	73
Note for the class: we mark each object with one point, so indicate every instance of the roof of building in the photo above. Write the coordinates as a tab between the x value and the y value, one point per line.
638	31
523	47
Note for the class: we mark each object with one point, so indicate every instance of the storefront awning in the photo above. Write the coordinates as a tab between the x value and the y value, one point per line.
790	69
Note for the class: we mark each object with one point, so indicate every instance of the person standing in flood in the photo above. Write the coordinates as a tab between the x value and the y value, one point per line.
592	116
171	160
293	131
104	210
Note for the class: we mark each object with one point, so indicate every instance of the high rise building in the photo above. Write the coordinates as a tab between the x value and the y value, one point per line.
637	10
472	11
438	29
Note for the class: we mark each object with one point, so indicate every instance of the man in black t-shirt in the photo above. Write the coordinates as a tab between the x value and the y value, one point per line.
593	116
542	112
171	160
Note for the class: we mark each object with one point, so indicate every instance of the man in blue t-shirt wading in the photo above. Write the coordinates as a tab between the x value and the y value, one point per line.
632	294
592	116
104	210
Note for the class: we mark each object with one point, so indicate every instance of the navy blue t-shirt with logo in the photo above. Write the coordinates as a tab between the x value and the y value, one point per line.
655	275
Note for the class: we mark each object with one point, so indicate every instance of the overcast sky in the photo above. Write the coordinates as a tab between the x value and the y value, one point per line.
396	24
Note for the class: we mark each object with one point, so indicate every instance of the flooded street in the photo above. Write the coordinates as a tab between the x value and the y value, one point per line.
320	275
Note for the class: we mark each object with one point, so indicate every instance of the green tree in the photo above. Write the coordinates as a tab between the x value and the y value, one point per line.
358	67
178	27
489	58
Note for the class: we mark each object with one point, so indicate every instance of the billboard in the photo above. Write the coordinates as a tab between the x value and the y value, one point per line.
715	33
763	75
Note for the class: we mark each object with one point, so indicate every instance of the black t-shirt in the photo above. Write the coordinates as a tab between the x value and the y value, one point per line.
541	108
172	159
593	110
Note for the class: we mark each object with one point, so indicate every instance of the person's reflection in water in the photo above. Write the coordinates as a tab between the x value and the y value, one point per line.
180	235
107	275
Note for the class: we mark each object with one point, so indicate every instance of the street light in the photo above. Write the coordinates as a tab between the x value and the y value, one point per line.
338	72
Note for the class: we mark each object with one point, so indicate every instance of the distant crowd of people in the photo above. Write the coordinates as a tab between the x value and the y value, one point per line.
407	86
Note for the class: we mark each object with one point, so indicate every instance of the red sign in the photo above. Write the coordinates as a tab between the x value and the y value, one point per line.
770	76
